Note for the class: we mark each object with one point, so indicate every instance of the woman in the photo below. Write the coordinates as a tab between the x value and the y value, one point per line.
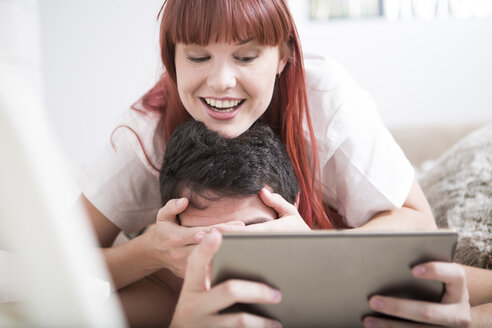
228	63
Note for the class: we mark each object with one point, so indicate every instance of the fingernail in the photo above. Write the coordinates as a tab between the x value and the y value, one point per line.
208	239
420	270
199	236
277	296
377	303
180	202
266	191
370	323
276	324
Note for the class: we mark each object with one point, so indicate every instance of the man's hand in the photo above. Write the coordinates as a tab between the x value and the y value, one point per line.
453	311
199	304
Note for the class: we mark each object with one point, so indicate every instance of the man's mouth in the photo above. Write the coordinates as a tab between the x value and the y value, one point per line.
223	106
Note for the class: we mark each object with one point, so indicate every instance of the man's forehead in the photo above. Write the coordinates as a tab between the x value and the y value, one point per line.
249	209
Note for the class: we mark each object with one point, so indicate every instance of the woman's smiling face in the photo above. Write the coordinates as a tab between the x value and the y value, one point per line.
227	86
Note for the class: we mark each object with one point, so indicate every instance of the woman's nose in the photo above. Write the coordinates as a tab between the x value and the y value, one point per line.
221	77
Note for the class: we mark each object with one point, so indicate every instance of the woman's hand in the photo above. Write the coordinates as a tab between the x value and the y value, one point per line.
288	220
453	311
171	243
199	304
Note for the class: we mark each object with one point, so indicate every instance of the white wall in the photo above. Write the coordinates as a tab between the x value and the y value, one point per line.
420	72
100	56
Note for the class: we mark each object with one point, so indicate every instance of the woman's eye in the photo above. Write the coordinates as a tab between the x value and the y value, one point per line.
198	59
246	59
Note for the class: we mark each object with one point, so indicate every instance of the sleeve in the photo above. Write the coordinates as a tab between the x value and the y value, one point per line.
120	184
363	170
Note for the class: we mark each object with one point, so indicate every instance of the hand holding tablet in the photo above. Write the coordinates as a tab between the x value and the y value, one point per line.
453	311
205	306
199	303
326	277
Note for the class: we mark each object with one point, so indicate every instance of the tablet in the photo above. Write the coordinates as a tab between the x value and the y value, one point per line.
327	277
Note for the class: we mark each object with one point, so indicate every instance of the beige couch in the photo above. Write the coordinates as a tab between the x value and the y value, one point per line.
428	142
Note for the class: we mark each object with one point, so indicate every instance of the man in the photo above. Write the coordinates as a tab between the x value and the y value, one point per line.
222	177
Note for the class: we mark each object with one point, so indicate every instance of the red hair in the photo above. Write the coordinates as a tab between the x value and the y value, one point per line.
268	23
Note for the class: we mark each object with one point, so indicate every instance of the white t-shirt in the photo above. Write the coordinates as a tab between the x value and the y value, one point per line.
363	170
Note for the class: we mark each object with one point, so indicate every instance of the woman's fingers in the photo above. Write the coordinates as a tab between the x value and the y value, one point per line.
239	291
232	226
172	208
197	276
452	274
278	203
240	320
177	235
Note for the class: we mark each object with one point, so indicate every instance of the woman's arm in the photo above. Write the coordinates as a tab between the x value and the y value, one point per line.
415	214
165	245
126	263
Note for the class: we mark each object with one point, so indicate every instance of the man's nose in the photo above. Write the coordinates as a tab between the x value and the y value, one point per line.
222	77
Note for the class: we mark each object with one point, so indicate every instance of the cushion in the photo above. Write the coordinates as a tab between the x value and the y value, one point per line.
459	190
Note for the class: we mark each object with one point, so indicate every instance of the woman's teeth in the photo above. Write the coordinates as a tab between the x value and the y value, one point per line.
222	105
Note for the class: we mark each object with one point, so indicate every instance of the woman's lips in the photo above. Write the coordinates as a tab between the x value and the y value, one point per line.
226	113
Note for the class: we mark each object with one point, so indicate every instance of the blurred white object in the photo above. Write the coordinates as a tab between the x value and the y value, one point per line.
370	8
406	10
461	8
442	9
481	8
46	243
425	9
11	287
391	9
355	8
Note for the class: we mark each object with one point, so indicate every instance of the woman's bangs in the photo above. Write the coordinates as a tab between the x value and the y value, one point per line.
212	21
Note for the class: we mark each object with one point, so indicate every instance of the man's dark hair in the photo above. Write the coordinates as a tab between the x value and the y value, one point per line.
211	166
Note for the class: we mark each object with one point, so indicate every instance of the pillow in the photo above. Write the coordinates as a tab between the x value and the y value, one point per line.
459	190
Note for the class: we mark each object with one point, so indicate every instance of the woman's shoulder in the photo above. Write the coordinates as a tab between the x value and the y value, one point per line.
325	74
137	133
137	116
336	102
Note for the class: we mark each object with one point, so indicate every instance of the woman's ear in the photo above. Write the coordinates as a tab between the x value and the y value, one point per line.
296	204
